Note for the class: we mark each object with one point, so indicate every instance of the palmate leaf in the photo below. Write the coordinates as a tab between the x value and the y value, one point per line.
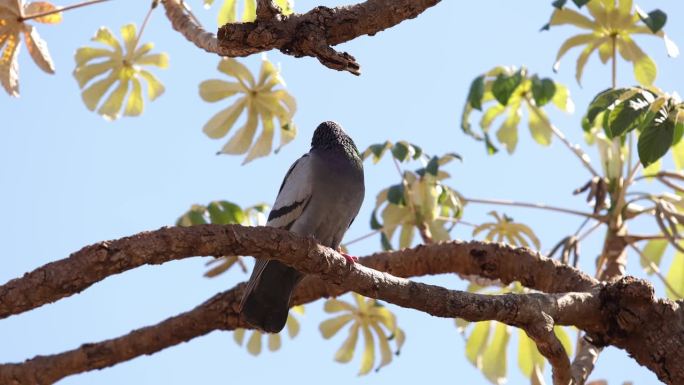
487	341
610	27
375	322
402	151
228	13
274	341
13	25
421	200
504	93
261	102
117	69
504	229
657	117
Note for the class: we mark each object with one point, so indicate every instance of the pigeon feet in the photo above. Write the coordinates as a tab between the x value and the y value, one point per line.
350	258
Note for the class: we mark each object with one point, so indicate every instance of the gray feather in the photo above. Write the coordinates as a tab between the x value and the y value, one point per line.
320	196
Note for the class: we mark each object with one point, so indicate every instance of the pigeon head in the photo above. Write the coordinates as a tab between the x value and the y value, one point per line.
330	136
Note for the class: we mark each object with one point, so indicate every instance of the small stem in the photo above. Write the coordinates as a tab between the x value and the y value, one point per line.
588	232
656	270
455	220
144	24
583	157
631	239
60	9
614	61
361	238
535	206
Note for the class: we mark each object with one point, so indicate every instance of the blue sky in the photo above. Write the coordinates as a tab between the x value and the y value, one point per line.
70	178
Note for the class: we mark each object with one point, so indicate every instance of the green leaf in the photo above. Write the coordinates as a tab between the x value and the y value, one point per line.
448	157
528	354
543	90
374	223
508	132
224	213
654	141
384	241
564	339
491	148
494	360
676	276
653	252
504	86
602	101
654	20
433	166
476	92
477	341
678	154
559	3
539	125
395	194
400	151
562	100
377	150
628	115
580	3
406	236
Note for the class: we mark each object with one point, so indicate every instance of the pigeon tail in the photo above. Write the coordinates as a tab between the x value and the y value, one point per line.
267	305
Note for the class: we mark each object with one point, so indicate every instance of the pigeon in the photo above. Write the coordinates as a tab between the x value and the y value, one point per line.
320	196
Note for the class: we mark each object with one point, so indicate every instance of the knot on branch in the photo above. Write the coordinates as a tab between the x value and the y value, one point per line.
310	40
626	304
267	10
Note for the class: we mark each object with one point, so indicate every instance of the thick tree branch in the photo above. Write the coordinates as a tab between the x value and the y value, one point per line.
93	263
220	312
623	313
308	34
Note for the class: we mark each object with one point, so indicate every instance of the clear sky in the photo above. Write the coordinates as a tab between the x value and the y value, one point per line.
70	178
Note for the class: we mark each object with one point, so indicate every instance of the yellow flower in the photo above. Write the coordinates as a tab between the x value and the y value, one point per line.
274	341
122	65
613	21
260	100
13	17
368	317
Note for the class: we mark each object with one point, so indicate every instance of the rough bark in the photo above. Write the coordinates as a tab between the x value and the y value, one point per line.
623	313
308	34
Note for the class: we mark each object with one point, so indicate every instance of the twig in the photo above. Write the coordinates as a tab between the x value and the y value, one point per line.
154	5
361	238
60	9
541	206
576	149
656	270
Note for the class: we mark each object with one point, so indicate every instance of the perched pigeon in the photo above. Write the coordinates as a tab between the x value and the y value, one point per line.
320	197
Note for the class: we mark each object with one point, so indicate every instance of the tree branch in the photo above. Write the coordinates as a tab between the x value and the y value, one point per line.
93	263
622	313
220	312
308	34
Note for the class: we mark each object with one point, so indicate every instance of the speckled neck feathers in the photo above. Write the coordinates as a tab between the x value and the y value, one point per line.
330	136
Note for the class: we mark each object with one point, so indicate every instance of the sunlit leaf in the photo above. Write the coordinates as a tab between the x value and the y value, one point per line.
371	319
38	7
610	28
675	276
653	251
260	101
99	69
